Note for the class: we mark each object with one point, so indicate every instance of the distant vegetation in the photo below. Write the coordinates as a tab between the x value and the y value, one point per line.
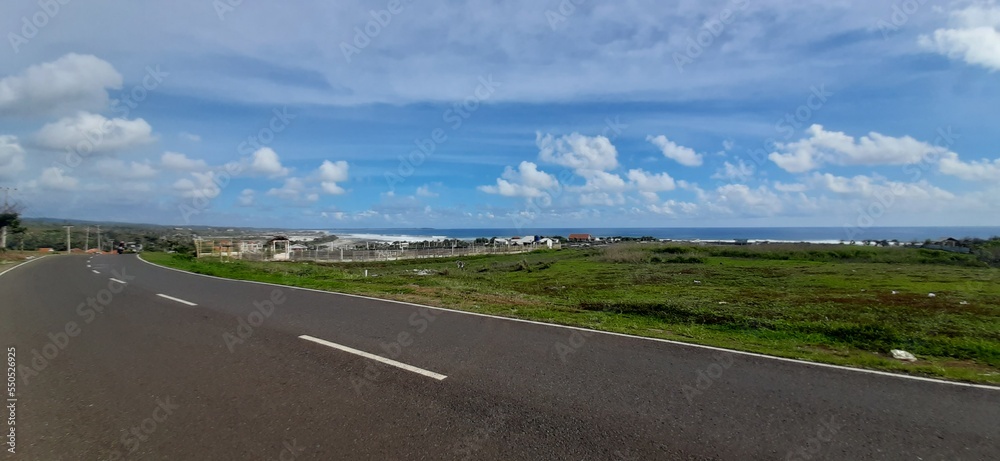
833	303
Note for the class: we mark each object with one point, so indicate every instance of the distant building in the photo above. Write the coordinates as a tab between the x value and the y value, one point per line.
581	238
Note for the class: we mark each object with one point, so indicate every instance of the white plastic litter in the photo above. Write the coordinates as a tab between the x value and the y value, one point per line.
903	355
931	295
895	292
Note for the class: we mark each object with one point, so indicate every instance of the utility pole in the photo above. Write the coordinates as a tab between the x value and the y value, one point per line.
69	249
99	249
86	242
6	209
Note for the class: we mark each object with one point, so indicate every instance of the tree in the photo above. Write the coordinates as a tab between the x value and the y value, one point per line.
10	221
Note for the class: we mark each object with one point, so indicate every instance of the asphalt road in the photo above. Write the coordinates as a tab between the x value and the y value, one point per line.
110	370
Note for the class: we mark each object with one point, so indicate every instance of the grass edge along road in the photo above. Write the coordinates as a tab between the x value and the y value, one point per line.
839	305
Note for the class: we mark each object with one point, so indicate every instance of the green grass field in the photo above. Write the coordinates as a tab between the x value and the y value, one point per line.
832	304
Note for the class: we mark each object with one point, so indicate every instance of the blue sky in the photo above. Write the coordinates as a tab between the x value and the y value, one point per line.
503	114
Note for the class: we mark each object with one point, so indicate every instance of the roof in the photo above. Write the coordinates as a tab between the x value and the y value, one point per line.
579	236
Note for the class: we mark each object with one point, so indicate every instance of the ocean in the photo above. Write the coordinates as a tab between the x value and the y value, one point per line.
775	234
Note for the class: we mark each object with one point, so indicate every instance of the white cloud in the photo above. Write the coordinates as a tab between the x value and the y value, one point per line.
55	178
648	182
266	161
330	173
11	156
189	136
683	155
601	181
425	191
246	198
578	152
70	83
982	170
200	185
837	148
781	187
115	168
294	189
671	207
93	133
878	188
176	161
602	199
738	172
974	36
741	199
527	181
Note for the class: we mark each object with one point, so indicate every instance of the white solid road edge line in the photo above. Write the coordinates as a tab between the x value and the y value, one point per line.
378	358
119	281
609	333
15	266
189	303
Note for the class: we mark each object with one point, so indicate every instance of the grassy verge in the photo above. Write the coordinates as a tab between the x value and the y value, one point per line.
833	304
11	258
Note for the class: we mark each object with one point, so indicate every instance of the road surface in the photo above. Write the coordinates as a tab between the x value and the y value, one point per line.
120	359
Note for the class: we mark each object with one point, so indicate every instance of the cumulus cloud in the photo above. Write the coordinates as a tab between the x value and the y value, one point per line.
246	198
93	133
739	171
648	182
189	136
974	36
683	155
672	207
176	161
266	161
294	189
782	187
578	152
57	179
526	181
11	156
425	191
68	84
822	147
199	185
741	199
115	168
982	170
878	188
330	173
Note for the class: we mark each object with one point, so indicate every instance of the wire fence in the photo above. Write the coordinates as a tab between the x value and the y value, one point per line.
364	255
